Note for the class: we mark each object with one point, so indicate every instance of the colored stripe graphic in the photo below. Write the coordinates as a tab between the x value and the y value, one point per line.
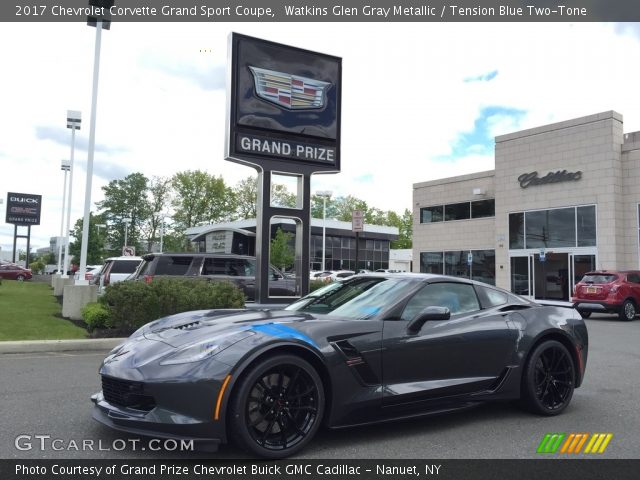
551	442
598	443
573	443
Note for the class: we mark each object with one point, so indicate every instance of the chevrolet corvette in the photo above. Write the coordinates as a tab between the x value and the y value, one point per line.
371	348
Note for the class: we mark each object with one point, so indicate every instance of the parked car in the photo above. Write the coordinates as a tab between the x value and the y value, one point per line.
91	270
319	275
340	274
371	348
11	271
609	291
239	269
116	269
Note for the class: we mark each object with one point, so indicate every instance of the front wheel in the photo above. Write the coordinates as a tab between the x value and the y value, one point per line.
20	278
628	311
549	379
278	407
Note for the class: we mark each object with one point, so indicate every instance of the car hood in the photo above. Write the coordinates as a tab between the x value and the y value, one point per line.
189	327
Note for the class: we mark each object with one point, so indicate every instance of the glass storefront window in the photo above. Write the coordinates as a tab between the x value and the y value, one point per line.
550	228
586	226
483	268
431	214
483	208
457	211
431	262
455	264
516	230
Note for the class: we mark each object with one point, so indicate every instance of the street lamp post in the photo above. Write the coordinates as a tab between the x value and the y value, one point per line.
74	119
65	166
126	222
162	217
99	22
324	194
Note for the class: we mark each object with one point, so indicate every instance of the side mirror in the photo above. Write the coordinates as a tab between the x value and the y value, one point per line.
426	315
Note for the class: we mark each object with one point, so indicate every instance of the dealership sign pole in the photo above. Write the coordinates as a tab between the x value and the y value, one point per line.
23	209
283	118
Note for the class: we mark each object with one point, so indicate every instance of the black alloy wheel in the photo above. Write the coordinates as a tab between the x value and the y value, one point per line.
549	379
628	311
278	407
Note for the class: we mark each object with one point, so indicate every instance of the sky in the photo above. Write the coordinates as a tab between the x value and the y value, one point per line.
420	101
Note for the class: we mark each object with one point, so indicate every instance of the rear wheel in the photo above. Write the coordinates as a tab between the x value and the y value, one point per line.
278	407
628	311
549	379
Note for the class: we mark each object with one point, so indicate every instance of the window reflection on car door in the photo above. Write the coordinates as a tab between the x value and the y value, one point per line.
464	354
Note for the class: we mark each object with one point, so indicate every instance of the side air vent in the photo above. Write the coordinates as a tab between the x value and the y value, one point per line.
359	366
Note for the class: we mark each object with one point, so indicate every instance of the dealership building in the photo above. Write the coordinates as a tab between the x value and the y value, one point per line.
239	237
563	199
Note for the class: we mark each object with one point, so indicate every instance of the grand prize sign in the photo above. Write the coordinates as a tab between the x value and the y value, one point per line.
284	107
283	118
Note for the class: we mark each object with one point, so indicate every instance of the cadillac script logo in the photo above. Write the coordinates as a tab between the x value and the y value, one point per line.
289	91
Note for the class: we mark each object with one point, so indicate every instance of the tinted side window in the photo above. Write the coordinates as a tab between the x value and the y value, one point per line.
457	297
170	265
214	266
490	297
634	277
124	266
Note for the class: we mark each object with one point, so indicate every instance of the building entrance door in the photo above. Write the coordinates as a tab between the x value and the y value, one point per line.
551	279
551	276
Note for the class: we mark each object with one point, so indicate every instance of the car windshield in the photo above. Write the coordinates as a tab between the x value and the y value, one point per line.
357	299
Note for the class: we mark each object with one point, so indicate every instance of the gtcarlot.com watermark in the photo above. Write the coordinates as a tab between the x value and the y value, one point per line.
43	443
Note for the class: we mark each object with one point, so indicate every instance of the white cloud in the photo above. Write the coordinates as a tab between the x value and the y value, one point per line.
405	99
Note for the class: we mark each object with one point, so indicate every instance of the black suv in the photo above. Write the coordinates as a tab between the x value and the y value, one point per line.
238	269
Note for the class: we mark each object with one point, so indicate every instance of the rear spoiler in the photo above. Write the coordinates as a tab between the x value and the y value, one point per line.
555	303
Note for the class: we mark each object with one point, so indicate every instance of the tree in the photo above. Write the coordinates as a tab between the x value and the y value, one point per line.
246	194
126	198
282	253
95	246
200	199
159	198
404	223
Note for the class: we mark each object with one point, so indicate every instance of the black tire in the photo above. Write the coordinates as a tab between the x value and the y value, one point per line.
549	379
277	408
585	314
627	311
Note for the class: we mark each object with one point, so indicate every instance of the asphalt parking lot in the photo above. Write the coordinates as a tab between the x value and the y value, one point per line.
48	394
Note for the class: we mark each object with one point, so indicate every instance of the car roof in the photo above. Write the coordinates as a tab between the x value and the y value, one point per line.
149	256
123	258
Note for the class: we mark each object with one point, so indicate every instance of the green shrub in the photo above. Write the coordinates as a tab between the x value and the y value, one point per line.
316	284
96	315
132	304
36	267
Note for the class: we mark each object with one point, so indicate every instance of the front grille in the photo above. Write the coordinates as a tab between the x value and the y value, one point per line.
125	393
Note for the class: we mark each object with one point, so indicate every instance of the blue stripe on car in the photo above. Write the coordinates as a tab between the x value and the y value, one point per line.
279	330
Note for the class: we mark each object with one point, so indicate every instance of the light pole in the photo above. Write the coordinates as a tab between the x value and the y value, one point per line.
324	194
65	166
100	22
126	222
162	217
99	226
74	118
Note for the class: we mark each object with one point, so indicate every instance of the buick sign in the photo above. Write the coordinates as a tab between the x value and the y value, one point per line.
23	208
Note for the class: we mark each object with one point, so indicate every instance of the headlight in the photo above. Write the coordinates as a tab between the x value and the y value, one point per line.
196	352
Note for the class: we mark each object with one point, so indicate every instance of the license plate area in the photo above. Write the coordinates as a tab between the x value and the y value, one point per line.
592	289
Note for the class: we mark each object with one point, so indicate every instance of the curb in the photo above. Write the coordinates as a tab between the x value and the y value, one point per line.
33	346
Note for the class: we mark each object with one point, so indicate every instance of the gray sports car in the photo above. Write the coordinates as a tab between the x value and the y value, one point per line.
371	348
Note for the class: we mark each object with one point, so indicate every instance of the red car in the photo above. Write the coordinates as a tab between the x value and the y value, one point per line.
608	292
11	271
